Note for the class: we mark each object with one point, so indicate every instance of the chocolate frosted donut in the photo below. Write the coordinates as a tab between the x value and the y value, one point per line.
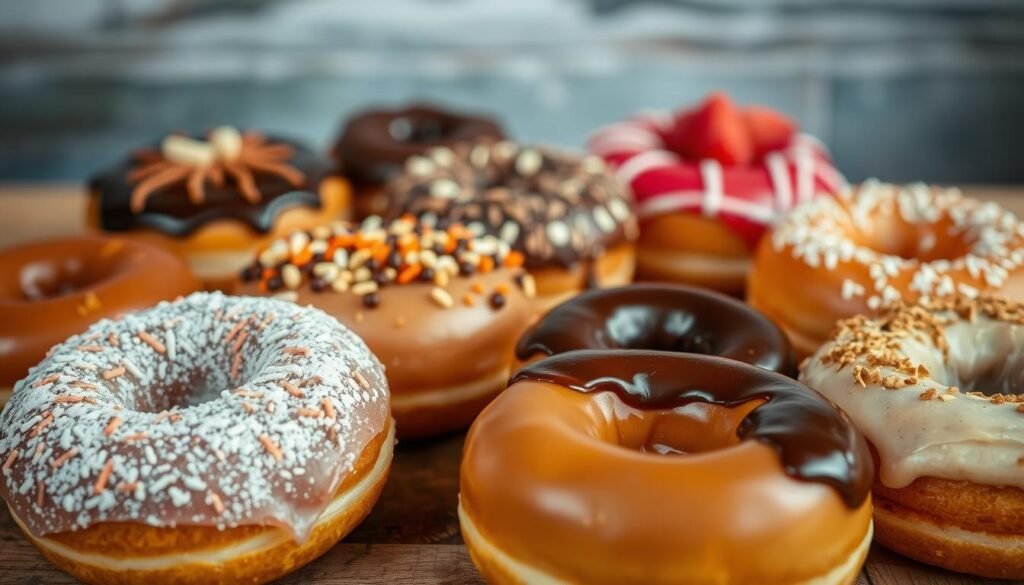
568	215
375	144
660	317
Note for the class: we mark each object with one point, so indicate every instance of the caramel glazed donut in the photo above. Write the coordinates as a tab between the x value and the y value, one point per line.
53	289
375	144
442	309
935	389
210	440
660	317
834	258
568	215
600	466
215	200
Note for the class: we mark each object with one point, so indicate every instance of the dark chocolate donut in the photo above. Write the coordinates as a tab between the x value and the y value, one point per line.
374	144
660	317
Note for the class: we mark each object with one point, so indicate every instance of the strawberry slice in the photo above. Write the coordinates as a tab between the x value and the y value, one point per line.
769	130
714	130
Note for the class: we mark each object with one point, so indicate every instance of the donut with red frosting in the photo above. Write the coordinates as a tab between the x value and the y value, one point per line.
708	181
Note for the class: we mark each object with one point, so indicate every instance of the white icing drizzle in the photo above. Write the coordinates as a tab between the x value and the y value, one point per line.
815	233
211	410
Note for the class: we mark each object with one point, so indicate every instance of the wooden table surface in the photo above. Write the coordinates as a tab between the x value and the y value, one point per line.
412	535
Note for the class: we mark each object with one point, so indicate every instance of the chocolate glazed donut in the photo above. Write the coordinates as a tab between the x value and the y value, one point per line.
660	317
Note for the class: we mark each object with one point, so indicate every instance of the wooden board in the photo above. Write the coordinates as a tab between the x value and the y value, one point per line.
412	535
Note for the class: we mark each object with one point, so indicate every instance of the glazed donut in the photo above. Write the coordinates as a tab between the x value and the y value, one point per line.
876	245
936	390
375	144
53	289
568	215
215	200
708	181
660	317
442	309
210	440
600	466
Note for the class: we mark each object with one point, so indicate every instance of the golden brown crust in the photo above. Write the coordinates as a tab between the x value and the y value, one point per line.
613	268
676	248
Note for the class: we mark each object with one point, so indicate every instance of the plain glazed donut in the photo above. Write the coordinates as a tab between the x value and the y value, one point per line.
936	391
660	317
375	144
53	289
653	467
210	440
708	182
878	244
442	309
568	216
214	199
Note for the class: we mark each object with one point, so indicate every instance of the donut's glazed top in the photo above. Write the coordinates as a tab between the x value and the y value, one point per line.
660	317
213	410
54	289
557	208
812	438
375	144
157	189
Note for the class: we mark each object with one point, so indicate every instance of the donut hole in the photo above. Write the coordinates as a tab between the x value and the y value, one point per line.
691	429
46	279
985	357
926	241
420	131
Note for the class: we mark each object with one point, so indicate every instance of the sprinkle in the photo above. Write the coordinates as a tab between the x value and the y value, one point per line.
152	342
113	340
361	380
82	385
135	437
308	412
56	463
69	399
468	300
236	365
38	428
291	389
40	493
46	381
112	426
215	501
271	447
101	482
303	351
237	345
11	458
90	348
114	373
127	488
328	408
442	297
528	285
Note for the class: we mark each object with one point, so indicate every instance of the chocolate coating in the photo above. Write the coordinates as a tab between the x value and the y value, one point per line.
814	440
660	317
374	144
170	211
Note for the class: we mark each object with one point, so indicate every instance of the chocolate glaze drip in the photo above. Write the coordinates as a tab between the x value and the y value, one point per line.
374	144
814	439
661	317
170	211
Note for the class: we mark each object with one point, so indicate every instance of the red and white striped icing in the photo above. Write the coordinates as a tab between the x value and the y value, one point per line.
747	198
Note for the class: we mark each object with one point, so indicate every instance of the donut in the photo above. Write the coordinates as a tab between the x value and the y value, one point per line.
214	199
708	182
567	215
374	145
876	245
935	388
442	309
52	289
209	440
611	466
660	317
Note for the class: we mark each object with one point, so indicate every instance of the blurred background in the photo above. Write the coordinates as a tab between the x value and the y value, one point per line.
900	89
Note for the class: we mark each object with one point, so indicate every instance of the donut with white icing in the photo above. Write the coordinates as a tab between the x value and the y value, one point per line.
212	439
878	244
936	389
708	181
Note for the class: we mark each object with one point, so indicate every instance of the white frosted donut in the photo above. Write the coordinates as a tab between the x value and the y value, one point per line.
936	389
212	438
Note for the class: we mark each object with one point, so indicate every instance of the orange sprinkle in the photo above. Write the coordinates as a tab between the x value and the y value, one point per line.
134	437
113	373
409	273
236	364
68	399
234	331
328	408
296	350
380	252
101	482
248	393
237	345
249	407
468	300
307	412
47	380
218	505
82	385
152	342
40	493
514	259
11	459
502	288
303	257
90	348
292	389
64	458
478	287
47	421
112	426
113	340
312	380
271	447
361	380
127	488
486	264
